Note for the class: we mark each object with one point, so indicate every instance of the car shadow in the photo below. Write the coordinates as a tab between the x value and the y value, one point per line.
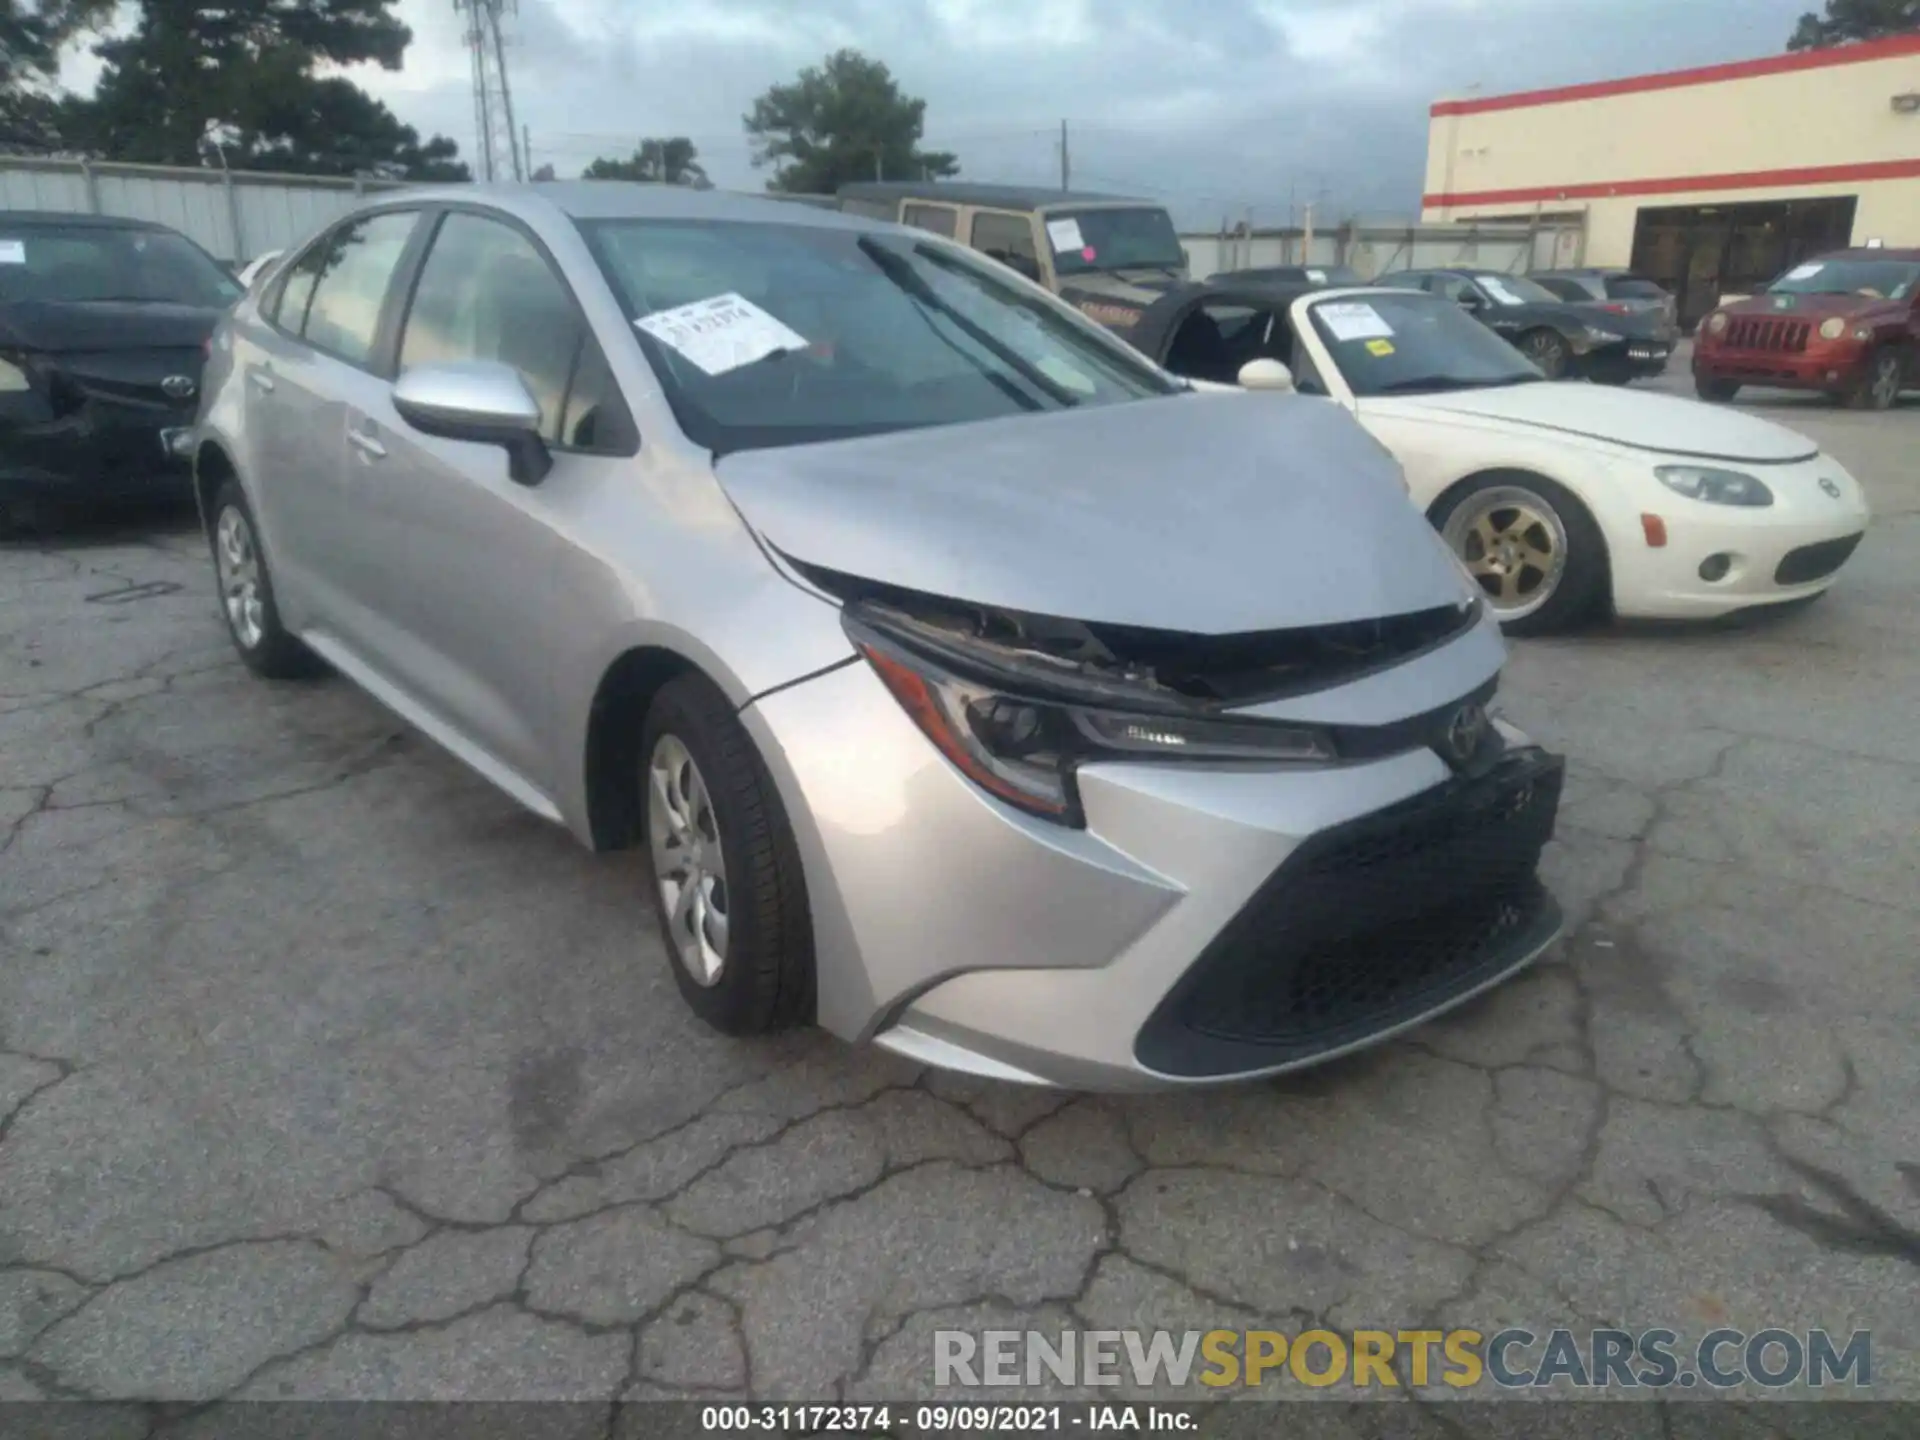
104	527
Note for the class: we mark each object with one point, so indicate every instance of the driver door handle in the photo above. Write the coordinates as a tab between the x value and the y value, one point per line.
367	445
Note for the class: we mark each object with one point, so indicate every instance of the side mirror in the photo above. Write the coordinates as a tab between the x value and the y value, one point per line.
1264	374
479	401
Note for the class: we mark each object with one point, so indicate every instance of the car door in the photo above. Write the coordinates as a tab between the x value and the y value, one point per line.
465	556
323	336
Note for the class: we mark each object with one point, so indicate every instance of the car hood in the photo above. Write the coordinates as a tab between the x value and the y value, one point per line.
1207	513
1642	421
1815	306
103	325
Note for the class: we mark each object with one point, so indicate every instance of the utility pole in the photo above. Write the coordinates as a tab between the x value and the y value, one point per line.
526	149
1306	244
499	154
876	164
1066	160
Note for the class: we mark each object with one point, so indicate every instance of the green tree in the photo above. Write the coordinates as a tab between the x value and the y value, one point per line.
1850	20
670	161
247	69
844	119
32	33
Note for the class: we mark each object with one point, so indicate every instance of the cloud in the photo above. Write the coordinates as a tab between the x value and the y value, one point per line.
1219	108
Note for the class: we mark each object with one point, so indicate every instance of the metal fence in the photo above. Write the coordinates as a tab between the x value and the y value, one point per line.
233	215
1375	249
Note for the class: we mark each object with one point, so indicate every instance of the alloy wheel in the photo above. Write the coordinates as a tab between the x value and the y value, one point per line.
1546	350
237	563
1886	382
689	865
1513	544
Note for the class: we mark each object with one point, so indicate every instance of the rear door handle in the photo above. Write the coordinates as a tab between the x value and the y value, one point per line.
367	445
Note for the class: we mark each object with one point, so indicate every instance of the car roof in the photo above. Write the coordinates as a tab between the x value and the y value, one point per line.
20	219
1006	197
628	200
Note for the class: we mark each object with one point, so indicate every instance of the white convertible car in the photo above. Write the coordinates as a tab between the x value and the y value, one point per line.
1559	498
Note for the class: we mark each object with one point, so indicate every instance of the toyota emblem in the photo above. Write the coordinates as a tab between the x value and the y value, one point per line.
1462	738
178	387
1830	486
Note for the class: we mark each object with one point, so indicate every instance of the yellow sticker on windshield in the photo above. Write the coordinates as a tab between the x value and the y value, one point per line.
1379	347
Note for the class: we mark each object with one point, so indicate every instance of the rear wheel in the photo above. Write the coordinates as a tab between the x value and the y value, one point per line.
1547	349
246	594
1532	548
1719	392
728	887
1878	387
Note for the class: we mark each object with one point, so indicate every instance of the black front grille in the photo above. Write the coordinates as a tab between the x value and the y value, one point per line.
1782	337
1815	562
1369	926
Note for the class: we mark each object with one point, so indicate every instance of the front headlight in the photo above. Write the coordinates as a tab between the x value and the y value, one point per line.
1023	748
1717	322
13	378
1716	487
1833	329
1601	337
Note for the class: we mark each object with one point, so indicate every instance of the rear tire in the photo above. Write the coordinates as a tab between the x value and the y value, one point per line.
1878	387
1532	517
1547	349
246	593
1715	392
725	866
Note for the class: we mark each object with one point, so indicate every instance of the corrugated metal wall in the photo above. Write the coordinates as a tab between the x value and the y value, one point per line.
1375	249
234	217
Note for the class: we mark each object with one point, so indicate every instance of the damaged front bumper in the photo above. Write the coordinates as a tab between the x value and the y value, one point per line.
1190	920
99	451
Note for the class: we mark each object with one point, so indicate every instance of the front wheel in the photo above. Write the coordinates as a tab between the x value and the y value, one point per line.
1879	384
1717	392
728	887
1532	548
1548	349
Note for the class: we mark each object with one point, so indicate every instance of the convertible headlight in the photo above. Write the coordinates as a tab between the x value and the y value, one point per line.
1602	337
1716	487
1023	748
1717	322
1833	328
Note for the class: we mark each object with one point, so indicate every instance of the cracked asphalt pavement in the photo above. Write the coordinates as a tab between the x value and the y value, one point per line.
327	1072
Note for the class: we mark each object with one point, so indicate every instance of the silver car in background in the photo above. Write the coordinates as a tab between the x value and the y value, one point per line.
968	684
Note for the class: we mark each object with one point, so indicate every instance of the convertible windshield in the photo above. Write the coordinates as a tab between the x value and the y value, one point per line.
1879	279
1399	342
768	335
94	262
1085	240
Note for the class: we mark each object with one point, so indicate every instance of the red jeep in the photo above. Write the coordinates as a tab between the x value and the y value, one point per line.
1847	322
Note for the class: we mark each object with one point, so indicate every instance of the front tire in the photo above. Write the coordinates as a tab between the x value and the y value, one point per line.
1878	387
1715	392
1531	546
729	892
1547	349
246	594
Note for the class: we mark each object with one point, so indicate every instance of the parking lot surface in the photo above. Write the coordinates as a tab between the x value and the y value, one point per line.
328	1072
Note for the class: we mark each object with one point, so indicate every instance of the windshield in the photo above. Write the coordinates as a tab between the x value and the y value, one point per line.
1401	342
1880	279
768	335
1515	290
78	263
1085	240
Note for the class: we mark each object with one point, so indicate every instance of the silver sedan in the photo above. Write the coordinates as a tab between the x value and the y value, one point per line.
964	682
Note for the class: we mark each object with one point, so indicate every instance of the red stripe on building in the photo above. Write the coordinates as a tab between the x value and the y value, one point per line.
1680	79
1683	184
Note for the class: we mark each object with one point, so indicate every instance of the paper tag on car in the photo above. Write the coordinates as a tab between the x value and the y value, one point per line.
722	333
1380	347
1804	272
13	252
1499	291
1354	320
1318	277
1065	235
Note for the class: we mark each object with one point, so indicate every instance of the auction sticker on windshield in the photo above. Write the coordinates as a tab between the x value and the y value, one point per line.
1379	347
722	333
1804	272
1499	291
1354	320
1065	235
13	252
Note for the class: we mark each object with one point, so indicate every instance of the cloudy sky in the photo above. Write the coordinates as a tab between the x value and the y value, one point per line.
1216	107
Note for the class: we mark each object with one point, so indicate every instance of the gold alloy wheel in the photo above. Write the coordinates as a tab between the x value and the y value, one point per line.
1513	544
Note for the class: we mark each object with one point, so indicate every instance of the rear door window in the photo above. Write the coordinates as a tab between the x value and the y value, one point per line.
354	268
940	219
1566	289
1008	239
1632	287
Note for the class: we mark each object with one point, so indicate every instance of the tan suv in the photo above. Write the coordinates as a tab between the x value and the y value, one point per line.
1107	255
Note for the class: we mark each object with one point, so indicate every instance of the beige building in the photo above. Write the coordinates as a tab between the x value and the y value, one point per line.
1709	181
